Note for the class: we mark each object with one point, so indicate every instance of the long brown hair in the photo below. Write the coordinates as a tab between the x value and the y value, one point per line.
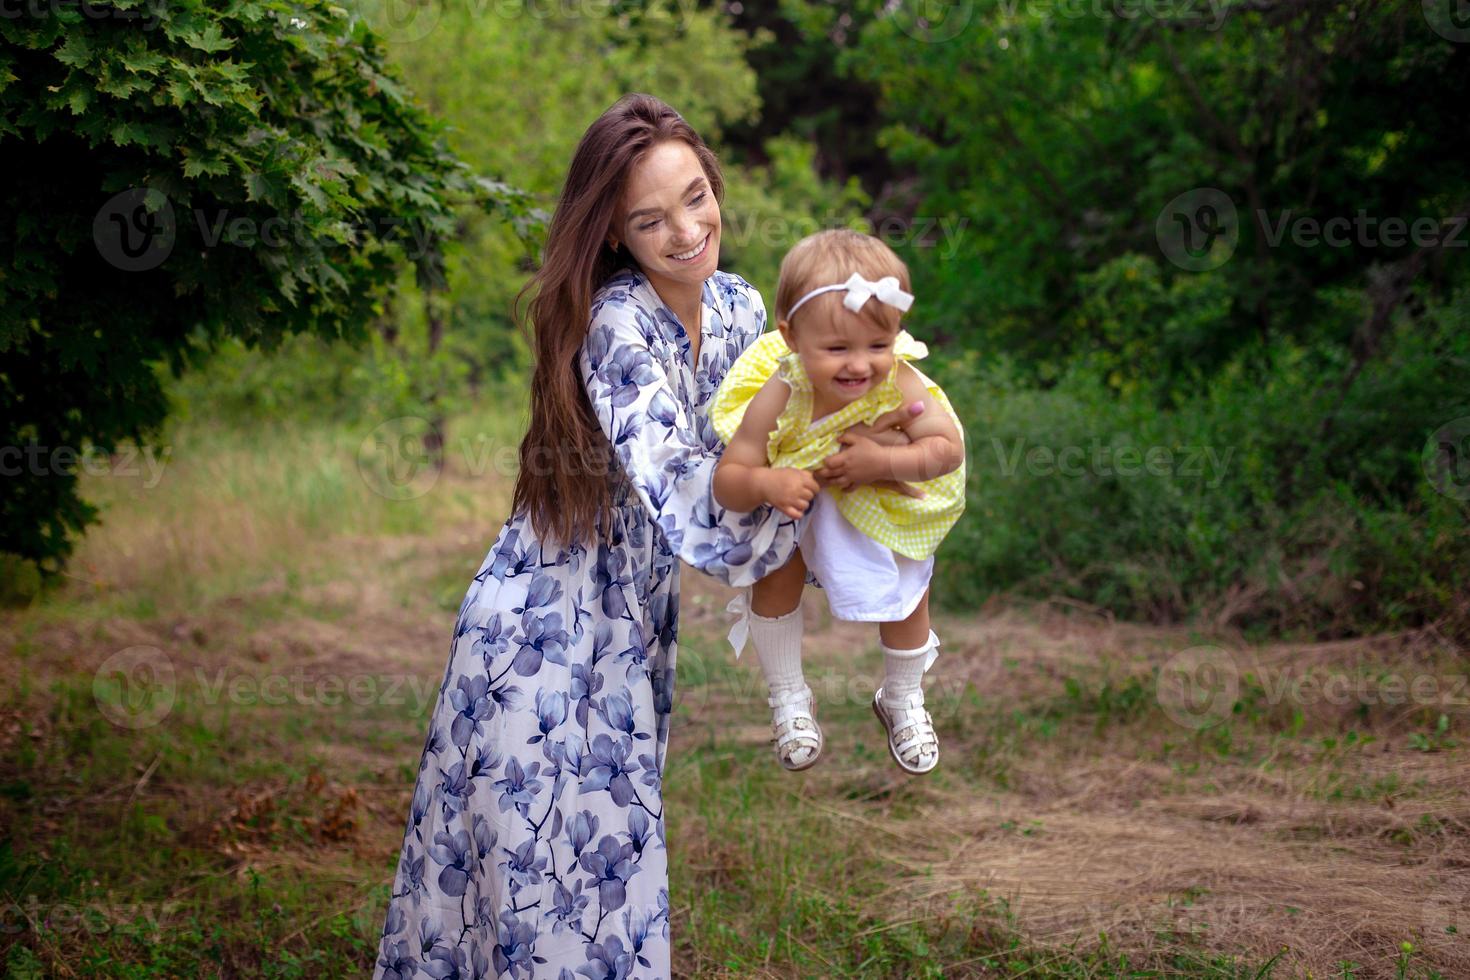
565	458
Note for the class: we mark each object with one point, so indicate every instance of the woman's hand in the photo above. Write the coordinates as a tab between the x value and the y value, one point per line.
863	461
888	429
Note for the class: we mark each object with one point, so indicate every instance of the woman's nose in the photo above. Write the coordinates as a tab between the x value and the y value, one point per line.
684	229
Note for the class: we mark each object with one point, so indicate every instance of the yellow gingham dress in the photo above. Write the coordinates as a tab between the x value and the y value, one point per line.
912	528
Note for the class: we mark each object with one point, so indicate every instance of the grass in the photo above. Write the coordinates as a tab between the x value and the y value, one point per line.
1074	829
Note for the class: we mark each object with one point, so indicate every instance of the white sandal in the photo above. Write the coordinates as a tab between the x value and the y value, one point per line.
911	737
795	728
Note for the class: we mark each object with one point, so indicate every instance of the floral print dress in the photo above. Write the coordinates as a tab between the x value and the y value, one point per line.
535	841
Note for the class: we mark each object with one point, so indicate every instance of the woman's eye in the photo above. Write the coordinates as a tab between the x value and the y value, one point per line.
698	198
649	226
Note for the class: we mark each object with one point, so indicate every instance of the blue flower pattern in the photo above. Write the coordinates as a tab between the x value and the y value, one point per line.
535	843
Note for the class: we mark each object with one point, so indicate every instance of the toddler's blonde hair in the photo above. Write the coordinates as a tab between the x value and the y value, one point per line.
829	257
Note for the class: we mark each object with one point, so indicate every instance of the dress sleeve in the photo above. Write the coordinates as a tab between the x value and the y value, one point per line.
745	379
908	349
659	448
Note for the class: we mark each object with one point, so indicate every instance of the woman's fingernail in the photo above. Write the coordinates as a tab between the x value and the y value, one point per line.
916	408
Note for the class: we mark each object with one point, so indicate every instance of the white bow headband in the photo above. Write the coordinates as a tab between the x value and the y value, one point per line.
859	290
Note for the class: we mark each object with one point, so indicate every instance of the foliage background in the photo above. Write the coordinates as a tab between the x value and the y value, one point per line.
1267	435
1024	158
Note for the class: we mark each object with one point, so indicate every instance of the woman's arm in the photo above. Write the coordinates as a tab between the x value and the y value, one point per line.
935	446
657	446
889	428
744	480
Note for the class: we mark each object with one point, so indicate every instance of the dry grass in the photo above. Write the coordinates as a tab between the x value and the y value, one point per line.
1294	835
1069	805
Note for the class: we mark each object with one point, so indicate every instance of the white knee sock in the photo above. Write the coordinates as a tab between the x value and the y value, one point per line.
903	670
778	645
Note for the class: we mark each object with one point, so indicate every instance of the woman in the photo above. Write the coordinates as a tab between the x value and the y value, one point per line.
535	842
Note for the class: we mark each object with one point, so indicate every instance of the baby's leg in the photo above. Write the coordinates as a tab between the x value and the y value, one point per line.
907	646
776	629
910	633
780	592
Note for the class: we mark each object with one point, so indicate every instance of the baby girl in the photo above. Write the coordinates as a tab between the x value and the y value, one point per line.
786	410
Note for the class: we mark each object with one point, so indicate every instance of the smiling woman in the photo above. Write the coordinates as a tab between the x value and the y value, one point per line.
534	845
672	227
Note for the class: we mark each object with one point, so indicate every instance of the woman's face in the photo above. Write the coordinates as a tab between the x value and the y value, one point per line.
669	219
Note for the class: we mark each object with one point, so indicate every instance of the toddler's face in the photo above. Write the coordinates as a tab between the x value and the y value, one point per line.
844	353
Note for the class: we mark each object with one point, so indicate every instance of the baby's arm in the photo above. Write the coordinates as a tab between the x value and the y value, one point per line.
744	479
936	445
935	448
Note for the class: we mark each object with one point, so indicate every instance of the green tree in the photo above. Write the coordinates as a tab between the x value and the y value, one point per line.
183	173
483	67
1065	132
1239	225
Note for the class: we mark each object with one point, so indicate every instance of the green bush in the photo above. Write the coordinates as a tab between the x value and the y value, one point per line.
1210	507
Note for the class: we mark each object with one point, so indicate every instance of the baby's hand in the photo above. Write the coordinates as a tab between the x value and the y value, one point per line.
789	490
860	461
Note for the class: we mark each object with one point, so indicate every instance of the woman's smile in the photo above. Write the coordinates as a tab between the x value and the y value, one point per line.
694	253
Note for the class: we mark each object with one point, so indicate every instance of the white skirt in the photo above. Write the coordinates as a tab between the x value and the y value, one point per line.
864	581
